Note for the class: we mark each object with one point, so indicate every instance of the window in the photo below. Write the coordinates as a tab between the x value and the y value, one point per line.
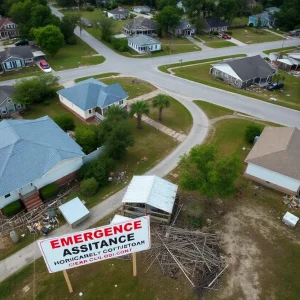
121	102
268	182
7	195
90	111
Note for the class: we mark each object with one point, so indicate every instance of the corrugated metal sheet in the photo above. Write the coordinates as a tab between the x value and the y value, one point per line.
153	191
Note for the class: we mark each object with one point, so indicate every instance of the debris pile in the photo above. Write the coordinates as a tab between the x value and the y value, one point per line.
194	254
292	201
117	177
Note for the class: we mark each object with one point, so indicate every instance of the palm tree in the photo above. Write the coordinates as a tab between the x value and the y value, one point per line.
116	112
161	101
139	108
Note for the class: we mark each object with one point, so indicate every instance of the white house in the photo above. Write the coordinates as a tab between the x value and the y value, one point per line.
34	153
144	44
141	9
274	159
89	99
118	13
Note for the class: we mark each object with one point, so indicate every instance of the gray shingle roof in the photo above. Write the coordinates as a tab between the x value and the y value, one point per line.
29	149
6	92
21	51
142	40
215	22
92	93
277	149
184	24
119	11
141	22
250	67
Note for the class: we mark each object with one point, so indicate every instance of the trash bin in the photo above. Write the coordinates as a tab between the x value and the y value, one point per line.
14	237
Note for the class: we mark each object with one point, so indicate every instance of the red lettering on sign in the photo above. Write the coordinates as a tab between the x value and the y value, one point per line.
108	231
78	238
128	227
54	244
137	224
98	234
88	236
66	241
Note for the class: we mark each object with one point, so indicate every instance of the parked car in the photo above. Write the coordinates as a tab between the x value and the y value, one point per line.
22	43
275	86
45	66
86	22
226	36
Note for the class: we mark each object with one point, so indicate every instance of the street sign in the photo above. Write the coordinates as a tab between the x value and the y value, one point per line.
93	245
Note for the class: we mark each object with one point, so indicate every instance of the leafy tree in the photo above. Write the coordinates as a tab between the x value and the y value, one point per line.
116	113
257	9
252	131
195	12
168	18
139	108
161	4
65	122
41	16
120	44
227	9
161	101
99	168
202	170
86	137
259	23
67	26
288	16
49	38
106	25
35	90
89	187
278	77
209	8
66	3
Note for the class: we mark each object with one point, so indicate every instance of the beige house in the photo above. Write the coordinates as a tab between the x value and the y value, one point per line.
274	160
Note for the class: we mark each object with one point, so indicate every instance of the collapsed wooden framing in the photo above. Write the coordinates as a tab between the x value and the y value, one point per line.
194	254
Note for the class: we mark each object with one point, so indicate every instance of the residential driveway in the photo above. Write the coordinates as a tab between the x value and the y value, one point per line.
237	42
196	136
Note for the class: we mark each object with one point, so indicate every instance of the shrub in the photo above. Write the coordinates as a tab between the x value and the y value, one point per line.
89	187
297	27
65	122
251	25
284	28
195	222
90	8
215	33
132	16
12	208
252	131
49	191
86	137
228	32
72	40
120	45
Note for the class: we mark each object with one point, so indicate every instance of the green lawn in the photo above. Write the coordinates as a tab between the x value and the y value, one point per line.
165	68
21	73
214	41
176	116
250	35
74	56
212	110
110	279
133	87
284	49
241	20
220	44
288	98
98	76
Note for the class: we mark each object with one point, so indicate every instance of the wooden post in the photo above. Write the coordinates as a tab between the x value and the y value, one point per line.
68	281
134	264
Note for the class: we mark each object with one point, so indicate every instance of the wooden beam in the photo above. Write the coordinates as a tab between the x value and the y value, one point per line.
68	281
134	264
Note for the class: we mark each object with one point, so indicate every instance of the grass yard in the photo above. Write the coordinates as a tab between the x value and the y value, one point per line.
212	110
89	15
112	279
74	56
285	49
289	97
241	20
21	73
250	35
220	44
176	116
214	41
98	76
133	87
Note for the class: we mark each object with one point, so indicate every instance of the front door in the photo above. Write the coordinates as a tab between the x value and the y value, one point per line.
188	32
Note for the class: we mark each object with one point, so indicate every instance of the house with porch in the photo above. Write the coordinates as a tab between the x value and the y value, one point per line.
7	106
118	13
8	29
290	61
89	99
15	58
184	28
144	44
243	72
214	25
140	25
274	160
33	154
267	18
150	195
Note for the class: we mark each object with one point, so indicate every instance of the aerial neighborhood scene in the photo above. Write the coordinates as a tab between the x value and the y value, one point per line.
150	149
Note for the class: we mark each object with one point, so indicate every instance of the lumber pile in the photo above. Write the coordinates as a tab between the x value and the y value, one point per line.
194	254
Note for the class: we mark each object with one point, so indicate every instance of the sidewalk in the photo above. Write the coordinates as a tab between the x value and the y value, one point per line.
201	45
197	135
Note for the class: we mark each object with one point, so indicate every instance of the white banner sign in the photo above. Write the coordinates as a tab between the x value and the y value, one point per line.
93	245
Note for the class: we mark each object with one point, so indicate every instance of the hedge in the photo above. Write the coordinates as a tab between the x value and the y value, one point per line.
49	191
89	187
12	208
